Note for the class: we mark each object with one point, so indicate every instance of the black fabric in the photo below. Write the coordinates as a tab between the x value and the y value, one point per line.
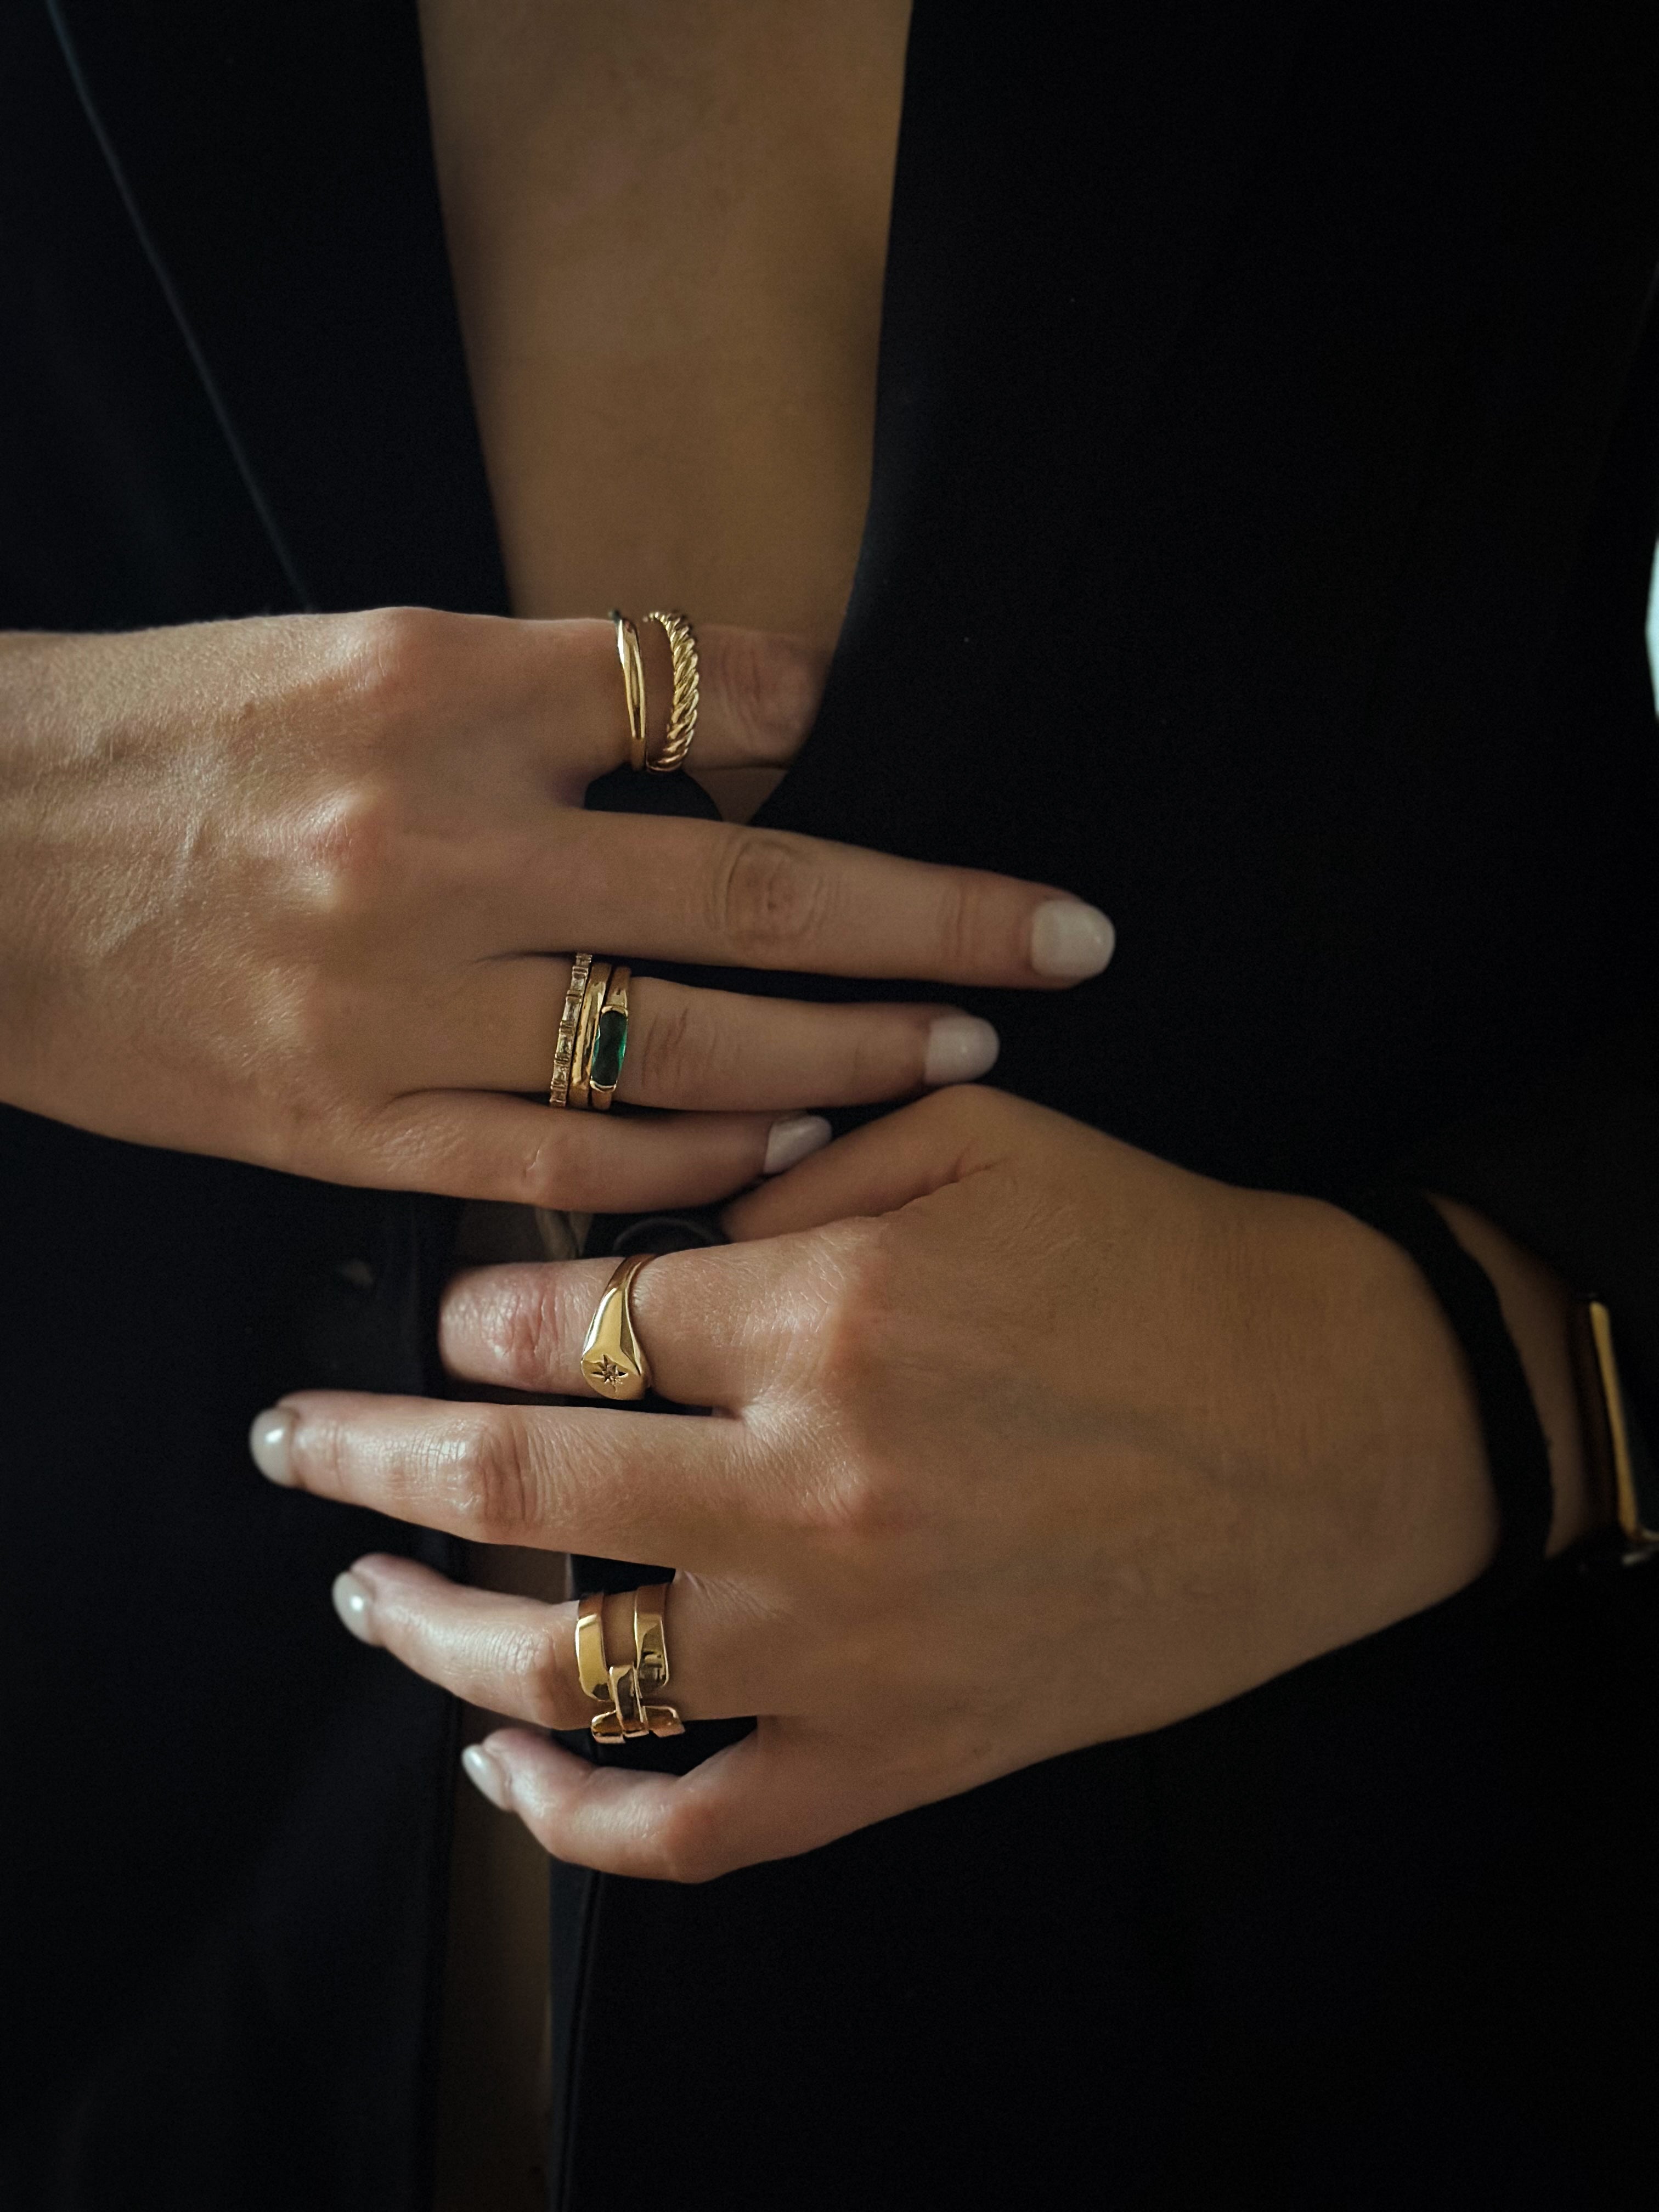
1259	534
1517	1452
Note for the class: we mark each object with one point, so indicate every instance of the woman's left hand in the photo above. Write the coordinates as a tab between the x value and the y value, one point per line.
1024	1439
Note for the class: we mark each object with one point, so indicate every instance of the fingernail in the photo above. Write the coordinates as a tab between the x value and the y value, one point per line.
960	1048
270	1440
488	1776
351	1602
1071	939
793	1139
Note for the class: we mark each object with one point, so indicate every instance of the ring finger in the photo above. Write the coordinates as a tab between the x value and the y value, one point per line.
516	1656
713	1051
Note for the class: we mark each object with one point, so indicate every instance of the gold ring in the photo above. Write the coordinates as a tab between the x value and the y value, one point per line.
682	709
633	669
625	1691
587	1026
610	1045
564	1051
613	1358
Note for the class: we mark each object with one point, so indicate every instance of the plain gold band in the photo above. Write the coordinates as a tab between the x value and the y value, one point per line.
633	669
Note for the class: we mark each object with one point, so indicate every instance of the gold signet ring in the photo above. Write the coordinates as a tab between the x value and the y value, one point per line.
613	1358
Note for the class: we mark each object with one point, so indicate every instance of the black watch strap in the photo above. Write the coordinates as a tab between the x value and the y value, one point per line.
1517	1453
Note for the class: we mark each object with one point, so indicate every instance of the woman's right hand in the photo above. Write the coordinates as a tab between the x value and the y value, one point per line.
303	890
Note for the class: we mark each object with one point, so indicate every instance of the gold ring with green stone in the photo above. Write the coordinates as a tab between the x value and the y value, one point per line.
609	1044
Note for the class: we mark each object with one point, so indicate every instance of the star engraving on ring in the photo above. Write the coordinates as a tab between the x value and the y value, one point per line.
606	1370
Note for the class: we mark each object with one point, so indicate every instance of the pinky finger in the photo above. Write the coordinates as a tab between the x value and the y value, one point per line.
481	1145
771	1795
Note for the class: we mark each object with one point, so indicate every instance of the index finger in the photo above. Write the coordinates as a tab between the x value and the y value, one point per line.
720	894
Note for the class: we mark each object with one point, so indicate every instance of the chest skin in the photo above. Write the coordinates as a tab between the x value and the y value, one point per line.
667	225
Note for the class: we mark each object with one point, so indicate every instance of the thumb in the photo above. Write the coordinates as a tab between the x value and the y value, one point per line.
881	1167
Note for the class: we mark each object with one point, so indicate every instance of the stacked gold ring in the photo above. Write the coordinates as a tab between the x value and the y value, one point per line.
633	669
564	1050
627	1692
593	1039
682	729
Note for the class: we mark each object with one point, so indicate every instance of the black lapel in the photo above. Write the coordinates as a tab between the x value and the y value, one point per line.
277	161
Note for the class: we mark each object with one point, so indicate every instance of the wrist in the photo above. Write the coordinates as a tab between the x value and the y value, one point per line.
1536	1306
1405	1450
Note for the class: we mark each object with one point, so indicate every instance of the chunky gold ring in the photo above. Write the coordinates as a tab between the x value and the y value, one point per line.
682	709
610	1045
633	669
564	1050
613	1358
591	1671
626	1691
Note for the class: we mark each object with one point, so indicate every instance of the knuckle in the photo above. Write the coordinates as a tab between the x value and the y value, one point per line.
861	1259
322	1455
883	1054
688	1846
520	1326
768	896
771	686
860	1497
964	926
487	1473
535	1664
553	1172
388	658
348	847
674	1056
862	1501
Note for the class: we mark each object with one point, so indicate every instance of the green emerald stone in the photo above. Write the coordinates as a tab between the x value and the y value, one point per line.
610	1044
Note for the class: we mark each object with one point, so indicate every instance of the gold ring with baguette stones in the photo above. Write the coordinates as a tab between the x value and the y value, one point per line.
564	1050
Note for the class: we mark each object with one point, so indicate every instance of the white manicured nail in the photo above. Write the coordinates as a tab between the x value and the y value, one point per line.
352	1602
960	1049
270	1441
1071	939
488	1776
793	1139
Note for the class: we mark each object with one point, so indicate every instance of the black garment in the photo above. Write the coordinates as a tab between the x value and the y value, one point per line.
1263	504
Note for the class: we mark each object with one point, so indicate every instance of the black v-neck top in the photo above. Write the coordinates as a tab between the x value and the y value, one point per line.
1262	513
